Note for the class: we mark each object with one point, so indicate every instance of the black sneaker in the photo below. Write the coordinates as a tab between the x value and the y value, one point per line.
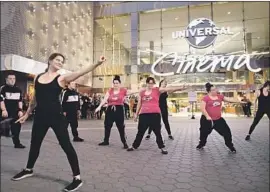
23	174
103	143
78	139
125	146
233	150
171	137
19	146
200	146
147	137
247	138
76	184
164	151
130	149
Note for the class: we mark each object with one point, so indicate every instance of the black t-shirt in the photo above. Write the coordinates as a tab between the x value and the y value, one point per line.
70	101
163	100
11	95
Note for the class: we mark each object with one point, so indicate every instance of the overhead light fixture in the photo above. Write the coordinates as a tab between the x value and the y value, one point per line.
258	37
176	18
125	24
229	13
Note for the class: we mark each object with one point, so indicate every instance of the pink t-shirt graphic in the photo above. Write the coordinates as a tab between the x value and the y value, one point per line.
117	99
150	103
213	107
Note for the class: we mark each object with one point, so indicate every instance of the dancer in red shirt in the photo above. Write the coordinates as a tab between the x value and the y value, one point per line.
211	108
149	113
115	111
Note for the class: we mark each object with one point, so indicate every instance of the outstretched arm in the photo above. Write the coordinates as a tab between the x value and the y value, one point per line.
172	89
67	78
232	100
105	99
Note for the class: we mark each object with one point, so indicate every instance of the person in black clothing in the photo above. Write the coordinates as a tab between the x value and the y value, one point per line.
85	105
248	108
48	87
263	98
11	107
71	109
164	108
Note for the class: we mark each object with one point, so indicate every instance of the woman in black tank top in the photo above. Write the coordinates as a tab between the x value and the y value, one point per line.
263	97
46	101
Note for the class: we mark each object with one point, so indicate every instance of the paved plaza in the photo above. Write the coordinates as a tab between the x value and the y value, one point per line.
113	169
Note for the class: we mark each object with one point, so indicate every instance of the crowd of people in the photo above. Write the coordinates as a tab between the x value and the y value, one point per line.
56	104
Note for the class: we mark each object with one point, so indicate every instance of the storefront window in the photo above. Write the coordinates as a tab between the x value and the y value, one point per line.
112	39
174	20
229	14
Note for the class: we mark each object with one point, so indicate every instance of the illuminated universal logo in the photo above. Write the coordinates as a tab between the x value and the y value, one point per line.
201	33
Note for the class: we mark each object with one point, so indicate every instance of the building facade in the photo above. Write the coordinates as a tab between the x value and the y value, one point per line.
134	35
34	30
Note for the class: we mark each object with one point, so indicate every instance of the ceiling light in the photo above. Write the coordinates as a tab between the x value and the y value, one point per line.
125	24
176	18
229	13
258	37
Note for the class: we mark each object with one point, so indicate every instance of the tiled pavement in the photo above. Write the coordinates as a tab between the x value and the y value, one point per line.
113	169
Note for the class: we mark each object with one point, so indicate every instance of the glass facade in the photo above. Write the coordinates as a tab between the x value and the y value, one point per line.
133	39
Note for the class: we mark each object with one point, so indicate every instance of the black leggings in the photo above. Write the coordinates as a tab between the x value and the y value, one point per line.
164	115
153	121
260	113
40	127
15	128
220	126
115	114
72	120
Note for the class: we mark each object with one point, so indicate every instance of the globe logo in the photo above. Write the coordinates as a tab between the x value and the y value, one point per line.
201	33
199	38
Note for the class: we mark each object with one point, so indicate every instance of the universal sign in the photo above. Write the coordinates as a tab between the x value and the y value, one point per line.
201	33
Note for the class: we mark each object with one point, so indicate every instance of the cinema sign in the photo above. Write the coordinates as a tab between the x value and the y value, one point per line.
200	34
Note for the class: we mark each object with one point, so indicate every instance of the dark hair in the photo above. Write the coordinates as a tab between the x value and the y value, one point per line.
10	73
52	57
161	82
150	79
267	83
208	87
117	78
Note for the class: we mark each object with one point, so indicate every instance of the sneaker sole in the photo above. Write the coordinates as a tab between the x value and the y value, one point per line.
75	188
199	149
23	177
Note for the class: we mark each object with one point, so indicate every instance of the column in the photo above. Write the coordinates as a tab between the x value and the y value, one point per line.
135	57
151	46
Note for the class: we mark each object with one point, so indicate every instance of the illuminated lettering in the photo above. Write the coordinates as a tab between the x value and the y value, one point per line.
204	63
